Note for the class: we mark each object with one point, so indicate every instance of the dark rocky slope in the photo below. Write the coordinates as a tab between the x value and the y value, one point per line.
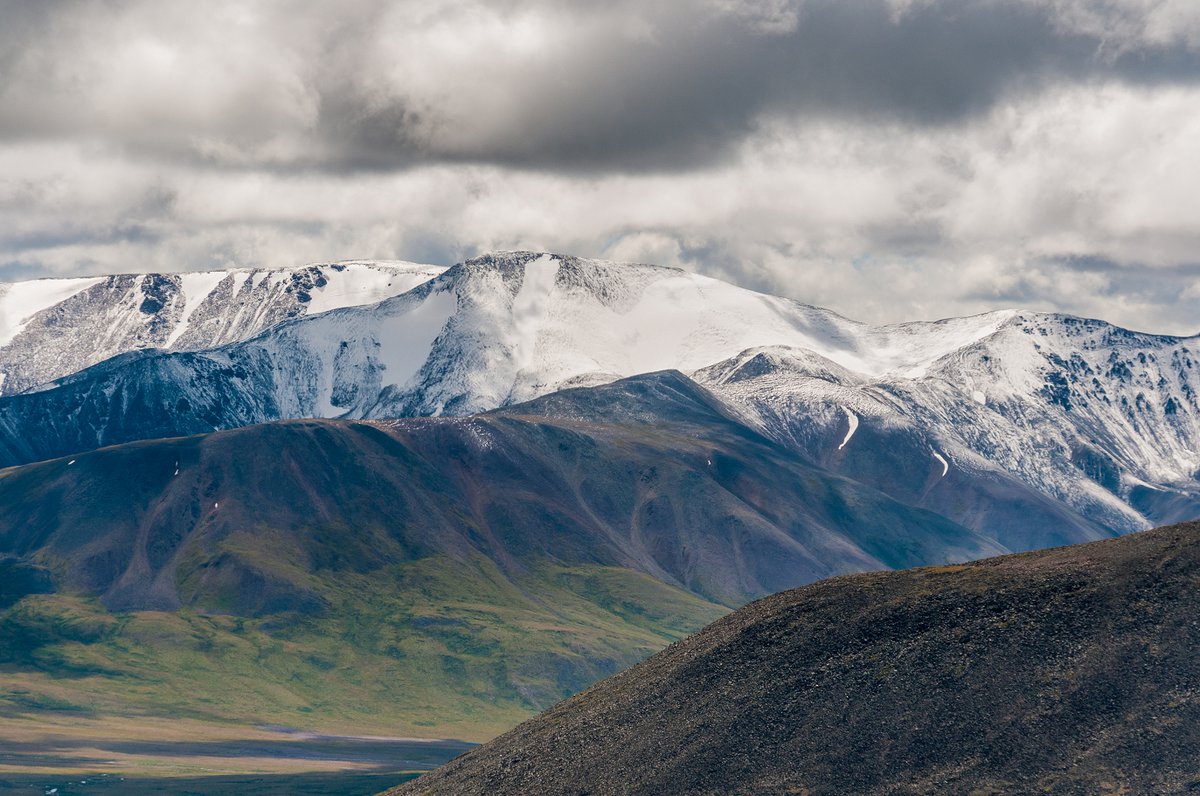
1072	670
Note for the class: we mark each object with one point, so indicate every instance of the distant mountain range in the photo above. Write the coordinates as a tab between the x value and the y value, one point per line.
1062	671
648	474
957	415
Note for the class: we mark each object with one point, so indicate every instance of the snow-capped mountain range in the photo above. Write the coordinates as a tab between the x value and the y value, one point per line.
1098	425
53	327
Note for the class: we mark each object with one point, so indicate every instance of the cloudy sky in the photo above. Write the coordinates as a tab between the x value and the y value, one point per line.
891	159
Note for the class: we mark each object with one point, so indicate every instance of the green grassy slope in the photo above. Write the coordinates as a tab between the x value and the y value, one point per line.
432	648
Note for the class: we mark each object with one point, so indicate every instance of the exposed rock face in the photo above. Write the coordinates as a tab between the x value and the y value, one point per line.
50	328
1071	670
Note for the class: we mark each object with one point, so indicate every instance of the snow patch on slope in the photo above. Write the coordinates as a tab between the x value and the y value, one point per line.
852	419
361	282
406	339
529	307
20	301
196	287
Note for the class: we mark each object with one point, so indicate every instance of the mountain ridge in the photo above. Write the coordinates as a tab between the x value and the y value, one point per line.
674	431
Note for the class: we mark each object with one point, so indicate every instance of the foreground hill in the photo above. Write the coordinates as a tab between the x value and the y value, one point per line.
425	576
1071	670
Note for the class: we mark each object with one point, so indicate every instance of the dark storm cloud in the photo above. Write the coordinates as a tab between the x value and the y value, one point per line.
1173	290
15	271
699	86
586	97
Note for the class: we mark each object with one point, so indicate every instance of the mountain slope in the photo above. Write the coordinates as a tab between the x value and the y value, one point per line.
50	328
876	432
1103	422
668	485
460	571
1065	671
1119	406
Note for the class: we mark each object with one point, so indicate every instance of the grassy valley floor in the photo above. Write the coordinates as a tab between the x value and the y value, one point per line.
154	755
430	649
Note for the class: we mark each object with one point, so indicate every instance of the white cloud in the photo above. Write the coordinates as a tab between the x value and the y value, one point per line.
1125	24
164	136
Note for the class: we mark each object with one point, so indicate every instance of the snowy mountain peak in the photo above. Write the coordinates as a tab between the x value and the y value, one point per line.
606	307
509	326
775	361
